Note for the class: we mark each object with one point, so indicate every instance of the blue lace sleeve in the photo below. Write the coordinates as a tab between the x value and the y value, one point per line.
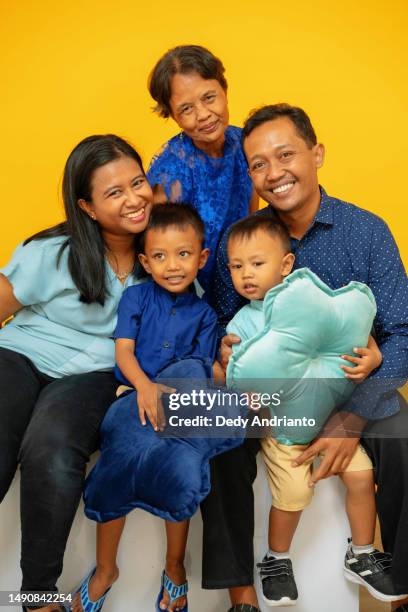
170	169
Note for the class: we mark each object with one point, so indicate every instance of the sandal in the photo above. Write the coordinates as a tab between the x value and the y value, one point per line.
174	590
83	590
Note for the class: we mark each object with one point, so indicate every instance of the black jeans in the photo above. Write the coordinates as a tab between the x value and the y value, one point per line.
51	427
228	512
386	442
228	519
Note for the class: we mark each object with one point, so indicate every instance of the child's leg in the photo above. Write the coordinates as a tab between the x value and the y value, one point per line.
282	527
363	563
108	538
360	506
176	547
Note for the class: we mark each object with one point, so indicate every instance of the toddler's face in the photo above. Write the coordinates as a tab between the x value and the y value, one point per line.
173	257
257	264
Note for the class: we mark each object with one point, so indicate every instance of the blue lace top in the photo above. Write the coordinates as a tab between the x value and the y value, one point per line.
218	187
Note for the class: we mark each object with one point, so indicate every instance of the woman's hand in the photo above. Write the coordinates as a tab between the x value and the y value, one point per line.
369	359
150	405
226	350
8	303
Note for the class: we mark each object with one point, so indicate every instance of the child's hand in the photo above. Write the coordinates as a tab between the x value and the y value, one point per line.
369	359
218	373
149	403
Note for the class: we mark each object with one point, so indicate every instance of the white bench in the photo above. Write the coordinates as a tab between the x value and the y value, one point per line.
318	552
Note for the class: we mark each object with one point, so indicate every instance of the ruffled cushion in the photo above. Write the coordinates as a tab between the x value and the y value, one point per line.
307	326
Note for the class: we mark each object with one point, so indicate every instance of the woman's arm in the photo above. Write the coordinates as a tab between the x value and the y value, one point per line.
254	202
8	303
159	193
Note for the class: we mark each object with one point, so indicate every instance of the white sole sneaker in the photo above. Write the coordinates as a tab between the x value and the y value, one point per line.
353	577
284	601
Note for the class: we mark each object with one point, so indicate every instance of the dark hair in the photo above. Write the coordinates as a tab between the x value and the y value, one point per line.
182	60
87	249
297	115
247	227
177	215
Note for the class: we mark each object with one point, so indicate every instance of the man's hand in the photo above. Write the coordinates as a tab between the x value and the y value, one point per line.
149	404
336	448
336	455
226	350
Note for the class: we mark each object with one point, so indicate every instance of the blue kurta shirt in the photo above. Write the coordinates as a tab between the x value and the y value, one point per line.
219	188
346	243
165	327
60	334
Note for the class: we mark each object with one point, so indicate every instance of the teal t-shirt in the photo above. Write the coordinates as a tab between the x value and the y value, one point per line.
247	322
60	334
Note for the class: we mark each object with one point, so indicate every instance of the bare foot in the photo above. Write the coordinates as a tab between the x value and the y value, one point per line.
176	572
98	584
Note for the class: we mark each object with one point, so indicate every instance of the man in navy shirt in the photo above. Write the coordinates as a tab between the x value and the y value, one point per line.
340	242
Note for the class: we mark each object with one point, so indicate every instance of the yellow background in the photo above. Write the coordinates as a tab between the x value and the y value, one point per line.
73	68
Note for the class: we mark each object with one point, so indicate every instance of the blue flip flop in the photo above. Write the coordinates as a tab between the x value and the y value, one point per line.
83	590
174	590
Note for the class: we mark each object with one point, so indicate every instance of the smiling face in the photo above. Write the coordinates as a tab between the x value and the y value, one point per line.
257	263
121	198
173	256
283	167
199	106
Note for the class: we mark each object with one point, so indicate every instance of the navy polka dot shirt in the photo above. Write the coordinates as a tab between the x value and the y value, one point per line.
346	243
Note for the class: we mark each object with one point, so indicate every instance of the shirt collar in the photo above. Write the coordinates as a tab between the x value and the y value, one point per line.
181	299
256	304
324	214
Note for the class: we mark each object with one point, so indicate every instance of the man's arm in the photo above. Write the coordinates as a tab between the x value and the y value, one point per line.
374	399
388	281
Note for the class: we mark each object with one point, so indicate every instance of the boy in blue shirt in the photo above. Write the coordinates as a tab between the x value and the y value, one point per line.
164	330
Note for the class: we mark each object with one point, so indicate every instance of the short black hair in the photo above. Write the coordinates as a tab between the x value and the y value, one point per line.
297	115
247	227
169	214
183	59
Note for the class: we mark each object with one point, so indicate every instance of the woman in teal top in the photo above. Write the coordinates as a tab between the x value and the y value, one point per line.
63	287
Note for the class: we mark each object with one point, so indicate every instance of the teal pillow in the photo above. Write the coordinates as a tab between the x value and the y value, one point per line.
303	328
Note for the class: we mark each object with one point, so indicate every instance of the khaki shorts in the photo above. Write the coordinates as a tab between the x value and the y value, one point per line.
288	484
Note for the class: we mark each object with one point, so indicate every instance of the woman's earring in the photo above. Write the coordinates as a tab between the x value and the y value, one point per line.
93	216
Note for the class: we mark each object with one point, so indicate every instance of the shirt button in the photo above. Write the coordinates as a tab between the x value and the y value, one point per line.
166	344
173	311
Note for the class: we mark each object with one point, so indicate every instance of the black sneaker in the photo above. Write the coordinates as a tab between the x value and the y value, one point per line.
278	582
244	608
372	571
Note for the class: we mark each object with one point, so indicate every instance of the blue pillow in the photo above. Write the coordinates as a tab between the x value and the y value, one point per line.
302	329
165	474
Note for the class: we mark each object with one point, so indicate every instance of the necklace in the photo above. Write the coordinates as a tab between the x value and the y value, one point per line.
121	275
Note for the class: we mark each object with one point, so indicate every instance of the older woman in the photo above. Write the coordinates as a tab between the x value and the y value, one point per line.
204	164
63	287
